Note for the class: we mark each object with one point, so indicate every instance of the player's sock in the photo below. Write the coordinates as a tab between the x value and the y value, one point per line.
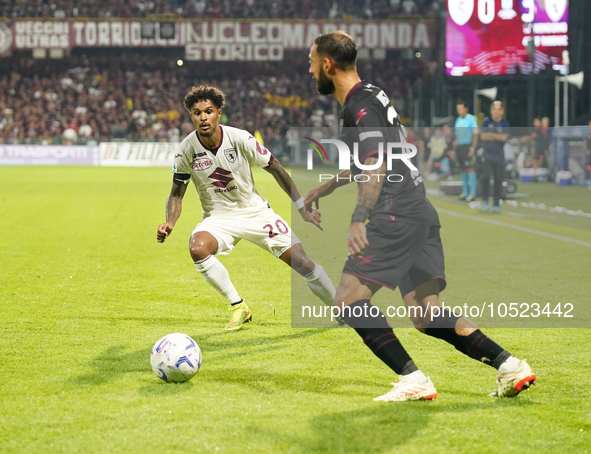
473	181
216	275
476	345
371	324
465	189
417	376
321	285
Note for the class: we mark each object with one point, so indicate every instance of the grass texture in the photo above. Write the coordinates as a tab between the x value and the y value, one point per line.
85	291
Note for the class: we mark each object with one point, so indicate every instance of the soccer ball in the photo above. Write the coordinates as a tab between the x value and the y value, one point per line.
175	358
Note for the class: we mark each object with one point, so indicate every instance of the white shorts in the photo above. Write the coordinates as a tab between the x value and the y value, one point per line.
262	227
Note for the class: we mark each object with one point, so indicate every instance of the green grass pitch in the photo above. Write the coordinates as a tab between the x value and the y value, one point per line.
86	291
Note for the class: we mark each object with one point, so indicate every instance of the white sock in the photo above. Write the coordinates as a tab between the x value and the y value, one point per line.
508	365
216	275
416	376
321	285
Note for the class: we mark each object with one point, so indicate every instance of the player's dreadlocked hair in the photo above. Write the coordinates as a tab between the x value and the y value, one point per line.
203	93
339	47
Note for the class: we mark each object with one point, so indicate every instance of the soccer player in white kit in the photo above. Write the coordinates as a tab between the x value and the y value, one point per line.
218	159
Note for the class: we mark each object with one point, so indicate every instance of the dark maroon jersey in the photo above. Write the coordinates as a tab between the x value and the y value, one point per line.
369	119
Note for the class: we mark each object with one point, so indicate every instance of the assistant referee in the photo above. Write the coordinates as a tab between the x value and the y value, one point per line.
465	147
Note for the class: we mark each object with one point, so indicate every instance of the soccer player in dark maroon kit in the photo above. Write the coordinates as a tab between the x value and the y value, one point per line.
400	246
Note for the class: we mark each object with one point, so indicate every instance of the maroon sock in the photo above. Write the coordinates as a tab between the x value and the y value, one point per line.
476	345
373	327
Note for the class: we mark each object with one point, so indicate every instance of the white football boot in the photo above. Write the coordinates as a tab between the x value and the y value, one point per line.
413	386
518	378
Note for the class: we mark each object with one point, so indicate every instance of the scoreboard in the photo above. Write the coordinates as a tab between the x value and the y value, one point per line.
490	37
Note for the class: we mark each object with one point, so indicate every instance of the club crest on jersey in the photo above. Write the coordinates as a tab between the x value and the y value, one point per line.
231	155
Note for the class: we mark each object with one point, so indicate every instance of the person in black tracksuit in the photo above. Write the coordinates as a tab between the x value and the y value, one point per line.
400	246
494	135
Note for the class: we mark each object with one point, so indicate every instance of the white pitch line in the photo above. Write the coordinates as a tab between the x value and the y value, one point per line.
515	227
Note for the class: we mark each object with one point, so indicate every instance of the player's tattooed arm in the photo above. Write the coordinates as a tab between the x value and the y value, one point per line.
174	205
283	179
289	187
369	191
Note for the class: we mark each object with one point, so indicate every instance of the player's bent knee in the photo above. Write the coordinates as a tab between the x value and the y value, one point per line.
198	252
199	249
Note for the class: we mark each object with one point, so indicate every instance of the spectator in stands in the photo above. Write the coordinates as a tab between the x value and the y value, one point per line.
529	138
125	96
423	143
438	147
542	139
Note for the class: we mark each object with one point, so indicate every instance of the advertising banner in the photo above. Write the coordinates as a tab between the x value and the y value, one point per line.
49	155
213	39
138	154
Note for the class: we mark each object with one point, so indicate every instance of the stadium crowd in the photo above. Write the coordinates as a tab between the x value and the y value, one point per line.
137	98
214	9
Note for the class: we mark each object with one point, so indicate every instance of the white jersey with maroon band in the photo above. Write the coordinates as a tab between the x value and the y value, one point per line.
223	175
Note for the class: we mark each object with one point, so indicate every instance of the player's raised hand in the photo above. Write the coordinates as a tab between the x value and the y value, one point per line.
163	231
357	238
314	196
312	215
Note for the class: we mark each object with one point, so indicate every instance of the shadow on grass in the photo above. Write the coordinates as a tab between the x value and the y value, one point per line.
219	346
146	320
112	363
266	382
377	428
116	361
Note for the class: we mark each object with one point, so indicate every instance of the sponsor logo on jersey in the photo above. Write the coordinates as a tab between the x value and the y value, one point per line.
230	154
218	191
221	178
362	113
198	155
261	149
202	164
369	134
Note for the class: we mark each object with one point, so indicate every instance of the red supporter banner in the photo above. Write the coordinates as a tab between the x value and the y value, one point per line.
211	40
